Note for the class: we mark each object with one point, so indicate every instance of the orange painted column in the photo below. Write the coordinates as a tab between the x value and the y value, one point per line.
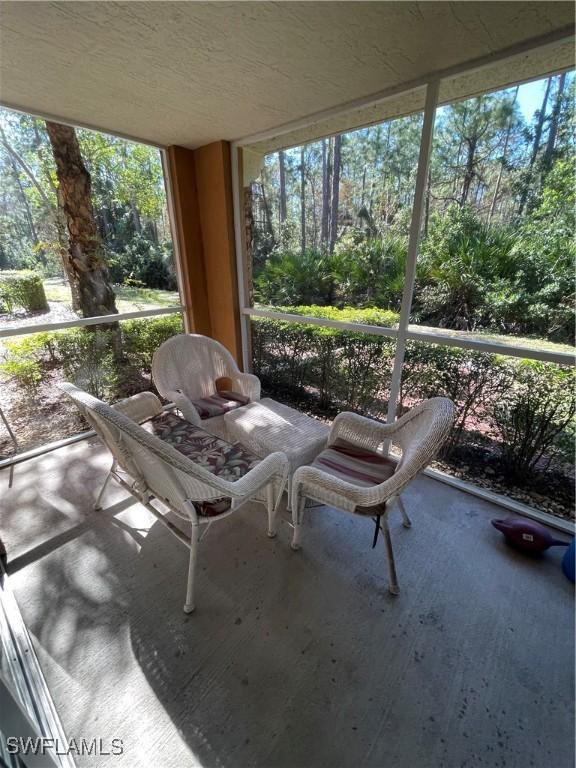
201	184
188	236
214	185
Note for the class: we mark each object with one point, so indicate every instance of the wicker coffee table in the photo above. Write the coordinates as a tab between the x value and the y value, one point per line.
266	426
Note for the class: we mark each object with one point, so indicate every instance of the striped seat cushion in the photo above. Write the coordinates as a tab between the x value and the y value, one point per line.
219	403
354	465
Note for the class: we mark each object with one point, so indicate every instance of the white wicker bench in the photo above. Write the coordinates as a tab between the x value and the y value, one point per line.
153	470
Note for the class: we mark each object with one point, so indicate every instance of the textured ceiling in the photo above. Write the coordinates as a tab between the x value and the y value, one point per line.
519	68
192	72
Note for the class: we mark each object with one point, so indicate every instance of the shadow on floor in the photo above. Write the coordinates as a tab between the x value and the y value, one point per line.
292	659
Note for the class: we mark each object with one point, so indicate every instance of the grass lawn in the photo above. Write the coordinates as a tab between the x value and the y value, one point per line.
518	341
529	342
128	298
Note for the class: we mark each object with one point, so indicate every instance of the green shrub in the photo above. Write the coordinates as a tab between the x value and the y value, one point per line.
141	338
32	346
295	276
87	359
370	271
22	289
386	318
546	250
534	414
89	356
362	271
143	264
26	360
472	380
524	410
26	372
336	368
462	262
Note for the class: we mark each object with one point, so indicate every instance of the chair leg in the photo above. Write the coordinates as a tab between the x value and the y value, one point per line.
406	522
289	493
297	515
98	502
189	605
271	506
393	587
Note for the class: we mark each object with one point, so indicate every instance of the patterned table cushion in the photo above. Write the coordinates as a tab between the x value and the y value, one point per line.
230	461
354	465
219	403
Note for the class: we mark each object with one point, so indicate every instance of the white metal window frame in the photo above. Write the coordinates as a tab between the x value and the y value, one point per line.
404	332
83	322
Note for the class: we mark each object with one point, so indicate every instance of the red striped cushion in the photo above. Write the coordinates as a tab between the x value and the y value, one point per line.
219	403
355	465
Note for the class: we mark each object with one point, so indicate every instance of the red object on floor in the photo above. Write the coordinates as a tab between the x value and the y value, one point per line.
527	535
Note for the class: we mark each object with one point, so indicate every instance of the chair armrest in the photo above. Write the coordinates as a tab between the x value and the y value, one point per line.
275	465
360	431
140	407
331	490
185	405
246	384
325	486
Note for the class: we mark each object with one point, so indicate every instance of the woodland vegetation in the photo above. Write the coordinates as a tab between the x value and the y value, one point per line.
90	209
330	220
514	425
85	206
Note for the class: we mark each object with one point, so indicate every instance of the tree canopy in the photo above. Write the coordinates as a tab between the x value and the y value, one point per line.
330	219
127	193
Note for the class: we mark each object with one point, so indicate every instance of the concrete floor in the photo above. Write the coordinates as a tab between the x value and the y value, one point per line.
291	659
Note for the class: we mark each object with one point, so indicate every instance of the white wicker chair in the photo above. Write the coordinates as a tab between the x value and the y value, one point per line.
419	434
156	470
186	368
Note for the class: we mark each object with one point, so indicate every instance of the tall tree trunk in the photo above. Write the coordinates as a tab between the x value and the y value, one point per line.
85	247
282	162
249	242
325	223
552	133
60	223
312	197
469	172
267	213
479	193
503	158
535	147
456	169
384	172
25	167
17	161
32	233
65	252
303	199
335	191
135	215
427	202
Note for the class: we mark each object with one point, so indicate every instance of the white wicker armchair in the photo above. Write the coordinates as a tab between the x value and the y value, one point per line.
151	469
363	443
186	368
